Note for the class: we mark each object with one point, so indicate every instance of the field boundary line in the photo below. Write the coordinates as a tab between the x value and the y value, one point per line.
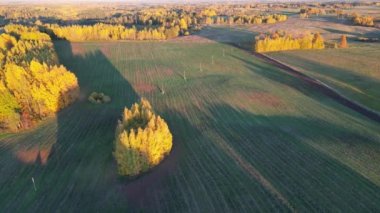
323	88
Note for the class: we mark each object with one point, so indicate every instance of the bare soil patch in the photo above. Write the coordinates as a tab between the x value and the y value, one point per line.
266	99
33	155
77	48
144	87
192	38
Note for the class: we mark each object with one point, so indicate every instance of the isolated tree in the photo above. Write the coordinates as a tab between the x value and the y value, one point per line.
343	42
143	139
318	42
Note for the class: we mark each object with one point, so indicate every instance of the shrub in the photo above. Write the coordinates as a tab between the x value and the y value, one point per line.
142	140
99	98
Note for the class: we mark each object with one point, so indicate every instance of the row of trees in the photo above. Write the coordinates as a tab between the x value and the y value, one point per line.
246	19
182	26
112	32
191	18
32	84
282	41
143	139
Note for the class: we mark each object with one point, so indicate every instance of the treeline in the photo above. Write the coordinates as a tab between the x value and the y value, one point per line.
143	139
246	19
32	83
112	32
146	23
282	41
192	20
174	29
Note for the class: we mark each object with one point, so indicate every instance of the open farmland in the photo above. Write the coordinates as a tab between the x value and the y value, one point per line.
355	72
247	137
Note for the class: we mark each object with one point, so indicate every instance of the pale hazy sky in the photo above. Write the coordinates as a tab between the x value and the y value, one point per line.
105	1
156	1
134	1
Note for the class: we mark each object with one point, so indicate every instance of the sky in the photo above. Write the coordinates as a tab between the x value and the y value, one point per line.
156	1
134	1
104	1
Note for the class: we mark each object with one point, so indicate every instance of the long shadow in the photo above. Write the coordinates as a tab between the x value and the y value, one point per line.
70	157
238	38
371	34
274	149
81	159
343	32
309	179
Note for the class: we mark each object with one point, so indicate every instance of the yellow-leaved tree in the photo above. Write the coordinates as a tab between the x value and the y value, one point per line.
282	41
32	84
143	139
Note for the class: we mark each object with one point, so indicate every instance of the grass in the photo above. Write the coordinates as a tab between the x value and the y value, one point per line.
355	72
247	137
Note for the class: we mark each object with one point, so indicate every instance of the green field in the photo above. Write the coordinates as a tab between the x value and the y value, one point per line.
247	137
355	72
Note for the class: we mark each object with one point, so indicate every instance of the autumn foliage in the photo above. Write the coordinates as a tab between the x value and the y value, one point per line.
343	42
32	84
143	139
113	32
282	41
363	20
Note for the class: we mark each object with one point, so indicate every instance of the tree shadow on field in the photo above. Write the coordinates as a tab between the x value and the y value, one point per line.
70	157
86	133
239	38
261	149
282	149
81	160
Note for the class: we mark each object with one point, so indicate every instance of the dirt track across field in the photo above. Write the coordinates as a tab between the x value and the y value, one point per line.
324	88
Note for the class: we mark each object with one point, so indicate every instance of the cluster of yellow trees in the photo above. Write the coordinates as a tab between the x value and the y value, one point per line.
143	139
282	41
32	85
363	20
26	33
246	19
306	12
112	32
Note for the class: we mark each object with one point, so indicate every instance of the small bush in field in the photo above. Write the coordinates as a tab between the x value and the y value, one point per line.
143	139
99	98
